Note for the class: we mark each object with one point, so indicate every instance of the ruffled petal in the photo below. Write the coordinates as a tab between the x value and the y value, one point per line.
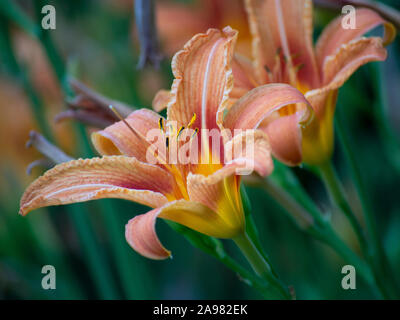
97	178
249	111
119	139
261	108
203	78
318	137
141	235
249	150
335	36
161	100
339	67
287	27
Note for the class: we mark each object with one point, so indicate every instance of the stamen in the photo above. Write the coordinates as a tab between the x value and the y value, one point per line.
179	131
123	120
194	133
192	120
171	129
161	124
151	147
269	73
167	142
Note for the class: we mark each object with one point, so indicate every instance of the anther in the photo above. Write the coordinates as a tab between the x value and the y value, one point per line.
179	131
194	133
192	120
161	124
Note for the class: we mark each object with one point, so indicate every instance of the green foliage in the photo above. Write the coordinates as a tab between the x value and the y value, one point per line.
85	242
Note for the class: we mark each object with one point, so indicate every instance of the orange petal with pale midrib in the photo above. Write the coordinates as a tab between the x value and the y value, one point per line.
285	138
334	35
108	177
202	78
141	235
339	67
118	139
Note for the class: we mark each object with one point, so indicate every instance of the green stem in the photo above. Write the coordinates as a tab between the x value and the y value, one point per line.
246	276
330	237
93	255
379	259
320	228
215	248
299	215
251	228
336	193
259	264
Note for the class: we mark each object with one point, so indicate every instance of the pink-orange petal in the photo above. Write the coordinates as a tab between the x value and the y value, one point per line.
339	67
118	139
107	177
334	35
250	150
141	235
220	193
285	138
203	78
250	110
161	100
349	57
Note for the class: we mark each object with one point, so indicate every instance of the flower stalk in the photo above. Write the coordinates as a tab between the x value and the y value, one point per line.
301	209
378	258
260	266
336	194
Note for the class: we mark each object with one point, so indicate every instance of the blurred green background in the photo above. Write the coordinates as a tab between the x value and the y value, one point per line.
86	243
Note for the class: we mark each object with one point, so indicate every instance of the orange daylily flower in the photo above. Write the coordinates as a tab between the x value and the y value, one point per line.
205	196
283	52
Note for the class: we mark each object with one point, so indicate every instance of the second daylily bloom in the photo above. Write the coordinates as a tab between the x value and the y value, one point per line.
283	52
205	196
197	16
